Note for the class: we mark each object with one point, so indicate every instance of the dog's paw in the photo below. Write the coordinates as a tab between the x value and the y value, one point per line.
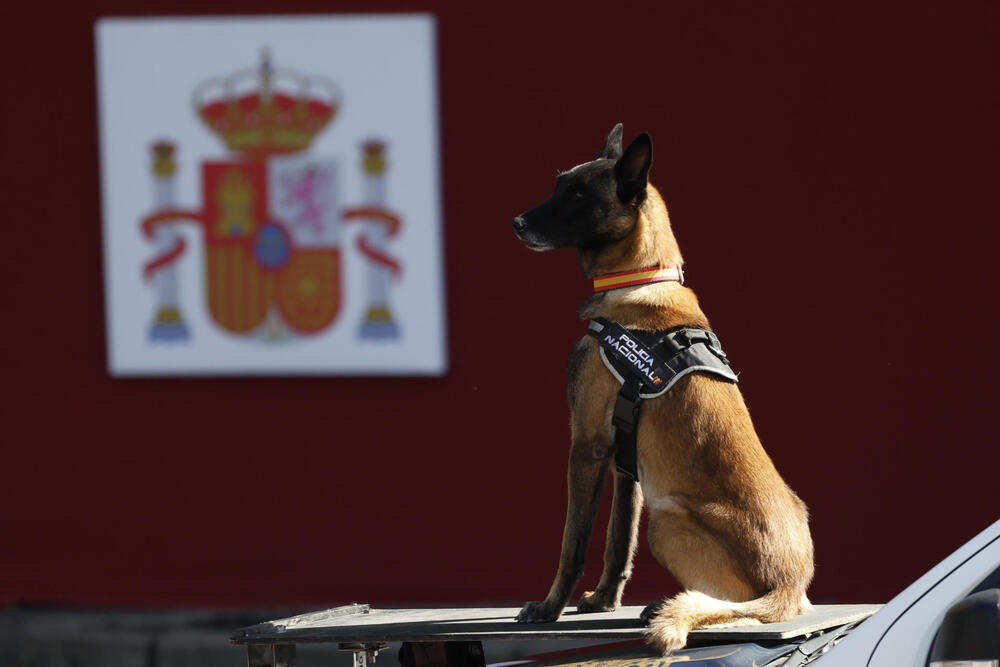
592	601
651	610
538	612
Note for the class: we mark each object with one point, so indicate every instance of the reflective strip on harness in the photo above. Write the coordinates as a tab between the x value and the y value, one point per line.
648	364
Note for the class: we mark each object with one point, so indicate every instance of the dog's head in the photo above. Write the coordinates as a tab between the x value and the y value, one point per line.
595	203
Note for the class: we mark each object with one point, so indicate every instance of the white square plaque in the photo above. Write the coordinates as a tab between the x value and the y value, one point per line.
270	193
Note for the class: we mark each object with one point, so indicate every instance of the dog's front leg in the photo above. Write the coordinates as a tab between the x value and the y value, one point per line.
619	551
587	474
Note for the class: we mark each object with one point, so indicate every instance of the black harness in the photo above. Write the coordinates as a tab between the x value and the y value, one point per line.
648	363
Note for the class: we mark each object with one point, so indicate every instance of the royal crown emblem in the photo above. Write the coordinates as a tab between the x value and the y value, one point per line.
282	113
271	216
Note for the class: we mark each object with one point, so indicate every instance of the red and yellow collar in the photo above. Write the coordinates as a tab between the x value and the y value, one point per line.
650	274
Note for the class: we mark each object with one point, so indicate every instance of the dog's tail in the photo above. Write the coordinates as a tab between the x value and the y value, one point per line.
669	627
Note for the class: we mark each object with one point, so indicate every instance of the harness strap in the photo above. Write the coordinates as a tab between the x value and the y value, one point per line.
625	419
648	364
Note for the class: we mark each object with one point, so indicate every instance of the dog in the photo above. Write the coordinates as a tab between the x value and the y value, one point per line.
721	518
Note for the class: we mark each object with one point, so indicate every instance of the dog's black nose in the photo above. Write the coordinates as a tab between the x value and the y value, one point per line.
519	224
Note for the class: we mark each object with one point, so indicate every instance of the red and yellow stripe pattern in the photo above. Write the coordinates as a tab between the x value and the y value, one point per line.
237	289
650	274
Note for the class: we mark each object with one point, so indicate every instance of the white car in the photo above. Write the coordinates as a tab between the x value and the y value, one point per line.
954	609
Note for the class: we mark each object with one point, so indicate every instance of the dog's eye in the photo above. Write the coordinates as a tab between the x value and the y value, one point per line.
577	192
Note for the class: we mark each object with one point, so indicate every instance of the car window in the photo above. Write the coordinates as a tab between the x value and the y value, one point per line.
992	580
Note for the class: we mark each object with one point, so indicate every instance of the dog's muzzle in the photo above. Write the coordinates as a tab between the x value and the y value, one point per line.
524	234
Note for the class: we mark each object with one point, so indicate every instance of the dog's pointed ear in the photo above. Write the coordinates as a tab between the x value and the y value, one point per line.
612	148
632	168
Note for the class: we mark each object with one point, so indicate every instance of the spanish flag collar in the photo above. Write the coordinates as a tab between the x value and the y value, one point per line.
649	274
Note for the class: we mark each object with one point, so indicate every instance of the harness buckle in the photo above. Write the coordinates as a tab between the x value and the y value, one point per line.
676	342
626	413
715	345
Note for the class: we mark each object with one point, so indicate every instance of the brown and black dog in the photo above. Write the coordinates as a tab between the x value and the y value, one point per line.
721	518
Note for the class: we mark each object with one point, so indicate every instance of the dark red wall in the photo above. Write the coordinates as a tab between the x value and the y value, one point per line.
831	170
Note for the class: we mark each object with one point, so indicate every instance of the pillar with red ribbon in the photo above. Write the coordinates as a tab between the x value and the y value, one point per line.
168	323
381	225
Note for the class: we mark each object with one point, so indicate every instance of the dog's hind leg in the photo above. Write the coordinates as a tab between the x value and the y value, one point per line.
587	475
619	550
714	574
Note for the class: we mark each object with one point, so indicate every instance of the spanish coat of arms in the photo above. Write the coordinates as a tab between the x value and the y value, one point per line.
271	214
